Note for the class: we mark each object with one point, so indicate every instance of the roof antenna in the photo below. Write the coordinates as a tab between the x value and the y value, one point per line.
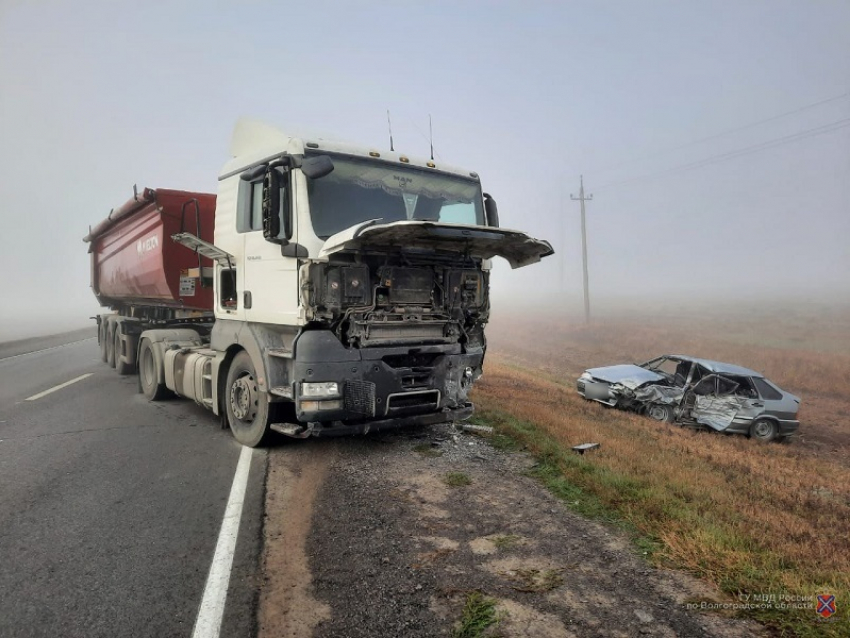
431	135
390	125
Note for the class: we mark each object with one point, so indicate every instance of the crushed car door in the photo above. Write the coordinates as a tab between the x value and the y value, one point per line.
715	403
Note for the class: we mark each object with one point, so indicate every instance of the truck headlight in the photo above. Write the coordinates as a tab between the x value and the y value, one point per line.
320	390
316	406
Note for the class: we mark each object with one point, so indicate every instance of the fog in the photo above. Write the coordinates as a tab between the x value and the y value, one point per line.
715	137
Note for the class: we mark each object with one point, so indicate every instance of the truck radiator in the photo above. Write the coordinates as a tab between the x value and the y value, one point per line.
387	333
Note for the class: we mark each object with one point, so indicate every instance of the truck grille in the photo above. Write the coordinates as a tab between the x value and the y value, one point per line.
360	397
413	402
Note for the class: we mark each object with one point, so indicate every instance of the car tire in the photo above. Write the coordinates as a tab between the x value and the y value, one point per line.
148	383
764	430
247	408
660	412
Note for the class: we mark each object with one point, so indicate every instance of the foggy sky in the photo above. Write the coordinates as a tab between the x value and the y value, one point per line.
530	95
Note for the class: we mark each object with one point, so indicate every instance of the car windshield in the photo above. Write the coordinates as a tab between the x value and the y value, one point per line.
359	190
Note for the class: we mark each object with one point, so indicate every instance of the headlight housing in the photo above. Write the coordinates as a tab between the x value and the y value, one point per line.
322	390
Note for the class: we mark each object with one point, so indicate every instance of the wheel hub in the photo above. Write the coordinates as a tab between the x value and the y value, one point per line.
242	398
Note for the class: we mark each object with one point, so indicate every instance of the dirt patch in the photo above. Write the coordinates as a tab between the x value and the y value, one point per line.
288	608
394	551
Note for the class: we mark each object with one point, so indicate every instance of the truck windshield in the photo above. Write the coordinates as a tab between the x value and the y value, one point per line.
359	190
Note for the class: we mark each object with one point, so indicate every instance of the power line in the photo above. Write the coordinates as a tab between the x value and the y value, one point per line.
715	159
721	134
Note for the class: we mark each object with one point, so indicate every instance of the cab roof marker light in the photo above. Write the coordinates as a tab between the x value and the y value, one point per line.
403	159
312	145
430	165
374	154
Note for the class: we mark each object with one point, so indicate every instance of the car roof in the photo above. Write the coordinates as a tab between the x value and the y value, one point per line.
718	366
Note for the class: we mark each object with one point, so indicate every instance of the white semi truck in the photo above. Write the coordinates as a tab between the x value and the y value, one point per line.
326	289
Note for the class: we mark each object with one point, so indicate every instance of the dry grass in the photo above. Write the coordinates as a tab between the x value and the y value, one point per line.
748	517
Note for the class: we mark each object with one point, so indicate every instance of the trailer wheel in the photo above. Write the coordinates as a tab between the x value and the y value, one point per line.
148	384
247	407
110	345
121	366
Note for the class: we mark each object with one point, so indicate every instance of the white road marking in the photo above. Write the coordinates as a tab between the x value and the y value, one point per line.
208	624
59	387
61	345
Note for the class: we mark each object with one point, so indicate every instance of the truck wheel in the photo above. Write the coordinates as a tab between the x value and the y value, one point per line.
121	366
101	337
110	345
148	384
247	407
763	430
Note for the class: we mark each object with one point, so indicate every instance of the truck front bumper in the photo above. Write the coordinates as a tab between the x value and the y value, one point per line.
381	384
338	428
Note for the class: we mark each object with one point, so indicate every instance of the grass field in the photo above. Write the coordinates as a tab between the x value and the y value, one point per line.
750	518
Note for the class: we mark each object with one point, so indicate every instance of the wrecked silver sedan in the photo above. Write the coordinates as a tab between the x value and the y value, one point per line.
692	391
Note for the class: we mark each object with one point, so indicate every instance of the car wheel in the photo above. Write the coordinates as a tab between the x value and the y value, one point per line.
660	412
763	430
247	407
150	387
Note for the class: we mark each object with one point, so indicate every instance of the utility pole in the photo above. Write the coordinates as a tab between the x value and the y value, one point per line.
581	197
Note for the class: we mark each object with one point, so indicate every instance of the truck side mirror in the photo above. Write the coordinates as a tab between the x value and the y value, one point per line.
271	205
491	211
317	166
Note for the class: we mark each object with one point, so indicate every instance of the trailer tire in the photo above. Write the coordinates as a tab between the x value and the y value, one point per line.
247	408
110	344
121	366
101	337
148	379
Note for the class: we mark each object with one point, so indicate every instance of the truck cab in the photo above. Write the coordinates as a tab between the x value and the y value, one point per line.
351	290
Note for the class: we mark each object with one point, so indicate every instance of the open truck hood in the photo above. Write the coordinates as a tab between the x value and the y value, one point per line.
484	242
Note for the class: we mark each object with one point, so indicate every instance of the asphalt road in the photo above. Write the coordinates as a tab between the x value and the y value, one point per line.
110	506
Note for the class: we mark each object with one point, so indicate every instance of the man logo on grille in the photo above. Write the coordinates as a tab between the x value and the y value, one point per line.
826	605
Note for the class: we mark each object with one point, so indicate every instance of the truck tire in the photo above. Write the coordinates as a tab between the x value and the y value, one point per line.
148	384
247	408
121	366
110	344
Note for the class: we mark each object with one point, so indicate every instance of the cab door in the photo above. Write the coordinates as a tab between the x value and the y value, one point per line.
270	293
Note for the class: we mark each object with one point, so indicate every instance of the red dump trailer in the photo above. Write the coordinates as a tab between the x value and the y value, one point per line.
145	277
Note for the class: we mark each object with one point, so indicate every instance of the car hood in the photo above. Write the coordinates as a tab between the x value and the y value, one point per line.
629	375
483	242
